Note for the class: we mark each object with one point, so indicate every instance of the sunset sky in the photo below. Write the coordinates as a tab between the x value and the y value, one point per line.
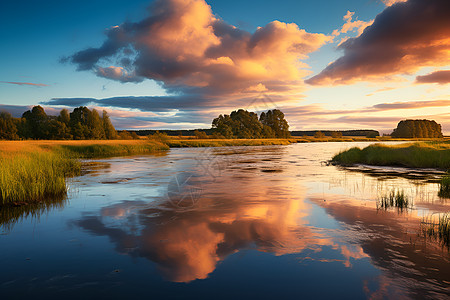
177	64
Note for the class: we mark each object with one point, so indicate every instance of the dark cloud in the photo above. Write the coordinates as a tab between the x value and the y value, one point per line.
143	103
441	77
403	38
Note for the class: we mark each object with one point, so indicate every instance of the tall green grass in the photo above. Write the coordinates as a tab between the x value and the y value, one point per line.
417	155
34	176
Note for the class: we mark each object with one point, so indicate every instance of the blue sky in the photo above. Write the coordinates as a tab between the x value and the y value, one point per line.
36	35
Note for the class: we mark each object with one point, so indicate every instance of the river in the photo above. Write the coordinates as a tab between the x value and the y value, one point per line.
228	223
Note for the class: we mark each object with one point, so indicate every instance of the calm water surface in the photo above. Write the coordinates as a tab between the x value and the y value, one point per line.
227	223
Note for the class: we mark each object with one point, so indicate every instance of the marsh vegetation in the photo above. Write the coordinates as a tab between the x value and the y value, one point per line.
32	171
437	229
433	154
394	198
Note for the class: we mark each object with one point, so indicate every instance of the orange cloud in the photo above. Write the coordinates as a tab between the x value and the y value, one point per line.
191	51
392	2
401	40
441	77
351	25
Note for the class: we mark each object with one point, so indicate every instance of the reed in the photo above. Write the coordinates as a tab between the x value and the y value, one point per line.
444	187
396	199
439	231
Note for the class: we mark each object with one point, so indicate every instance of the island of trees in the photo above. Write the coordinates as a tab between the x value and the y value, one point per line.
82	123
417	129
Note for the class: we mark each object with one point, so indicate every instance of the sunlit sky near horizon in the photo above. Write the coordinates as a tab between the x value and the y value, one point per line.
177	64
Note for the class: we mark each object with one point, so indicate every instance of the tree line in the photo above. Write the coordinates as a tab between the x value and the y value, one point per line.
417	129
242	124
82	123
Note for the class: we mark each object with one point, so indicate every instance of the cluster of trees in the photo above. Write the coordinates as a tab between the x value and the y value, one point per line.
417	129
243	124
82	123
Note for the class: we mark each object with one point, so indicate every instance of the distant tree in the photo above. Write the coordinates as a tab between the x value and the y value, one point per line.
127	135
371	135
8	128
336	134
159	136
275	120
319	135
200	134
417	129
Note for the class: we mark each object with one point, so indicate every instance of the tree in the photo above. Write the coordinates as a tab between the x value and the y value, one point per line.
336	134
245	124
95	126
108	128
57	130
223	126
64	117
8	128
319	135
78	123
36	120
200	134
417	129
275	120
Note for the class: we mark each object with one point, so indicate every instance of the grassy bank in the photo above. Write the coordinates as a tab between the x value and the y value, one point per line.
34	171
416	155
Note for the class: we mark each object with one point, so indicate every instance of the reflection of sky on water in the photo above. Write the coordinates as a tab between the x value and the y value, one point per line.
270	217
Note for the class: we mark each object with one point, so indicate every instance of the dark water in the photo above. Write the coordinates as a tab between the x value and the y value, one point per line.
227	223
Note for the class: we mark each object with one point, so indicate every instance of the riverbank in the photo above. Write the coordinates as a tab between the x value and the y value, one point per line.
32	171
414	155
